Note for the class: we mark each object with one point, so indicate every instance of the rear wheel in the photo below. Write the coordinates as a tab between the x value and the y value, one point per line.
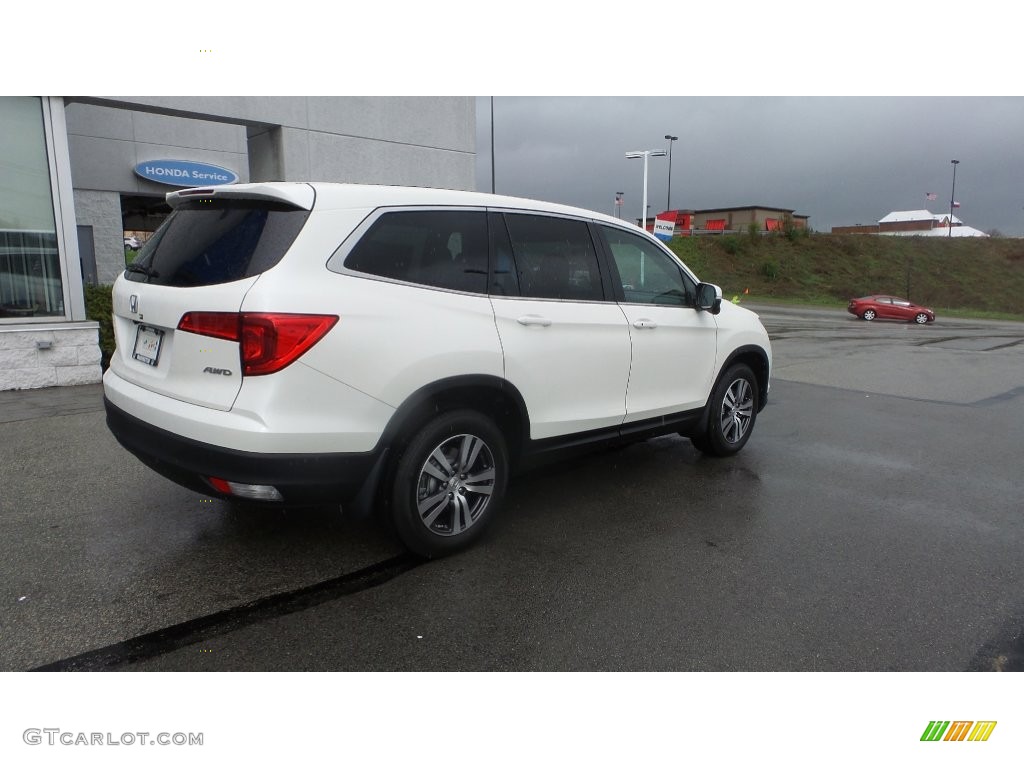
449	483
868	314
732	411
920	318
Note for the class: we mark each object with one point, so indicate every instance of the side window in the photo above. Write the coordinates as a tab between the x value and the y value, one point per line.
444	249
648	275
555	258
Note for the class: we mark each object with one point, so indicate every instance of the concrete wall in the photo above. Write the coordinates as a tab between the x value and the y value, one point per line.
444	122
106	144
102	211
73	356
420	141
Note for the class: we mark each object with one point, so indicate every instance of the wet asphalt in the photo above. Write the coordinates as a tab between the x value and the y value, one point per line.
873	522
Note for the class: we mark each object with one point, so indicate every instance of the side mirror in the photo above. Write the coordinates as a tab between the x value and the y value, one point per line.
709	298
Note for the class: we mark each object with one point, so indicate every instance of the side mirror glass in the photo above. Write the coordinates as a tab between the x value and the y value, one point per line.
709	298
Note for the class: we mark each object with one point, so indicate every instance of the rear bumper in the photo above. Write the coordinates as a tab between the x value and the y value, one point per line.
301	478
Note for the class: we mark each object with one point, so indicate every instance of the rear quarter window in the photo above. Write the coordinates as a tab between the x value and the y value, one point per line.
207	242
443	249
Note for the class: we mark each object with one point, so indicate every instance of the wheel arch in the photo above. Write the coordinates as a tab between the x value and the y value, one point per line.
755	358
492	396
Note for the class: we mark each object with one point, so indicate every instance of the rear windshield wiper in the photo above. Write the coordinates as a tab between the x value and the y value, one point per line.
142	270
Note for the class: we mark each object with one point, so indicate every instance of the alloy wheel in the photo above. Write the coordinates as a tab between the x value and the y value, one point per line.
737	410
455	485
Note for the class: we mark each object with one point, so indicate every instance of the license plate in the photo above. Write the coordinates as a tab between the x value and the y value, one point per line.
147	344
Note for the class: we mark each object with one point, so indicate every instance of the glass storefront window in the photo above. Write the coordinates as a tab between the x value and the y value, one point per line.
30	275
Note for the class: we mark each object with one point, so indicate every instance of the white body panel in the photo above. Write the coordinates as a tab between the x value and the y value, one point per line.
674	359
183	356
569	360
739	327
297	410
391	339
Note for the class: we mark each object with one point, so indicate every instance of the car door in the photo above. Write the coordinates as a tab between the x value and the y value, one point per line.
673	344
883	307
902	309
565	341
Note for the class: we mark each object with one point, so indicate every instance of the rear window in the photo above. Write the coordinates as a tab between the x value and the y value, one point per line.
206	242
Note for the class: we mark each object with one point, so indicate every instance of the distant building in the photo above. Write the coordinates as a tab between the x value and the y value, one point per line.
765	218
913	224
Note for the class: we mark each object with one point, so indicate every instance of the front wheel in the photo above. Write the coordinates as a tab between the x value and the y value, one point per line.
731	413
868	314
920	318
449	483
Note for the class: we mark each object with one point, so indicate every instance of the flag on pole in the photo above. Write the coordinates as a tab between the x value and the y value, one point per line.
931	196
956	204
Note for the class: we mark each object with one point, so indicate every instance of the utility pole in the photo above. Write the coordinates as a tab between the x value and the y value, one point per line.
952	197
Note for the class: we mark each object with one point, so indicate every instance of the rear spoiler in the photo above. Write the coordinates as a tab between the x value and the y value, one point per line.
299	195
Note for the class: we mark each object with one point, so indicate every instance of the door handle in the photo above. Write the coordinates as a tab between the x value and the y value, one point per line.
644	323
533	320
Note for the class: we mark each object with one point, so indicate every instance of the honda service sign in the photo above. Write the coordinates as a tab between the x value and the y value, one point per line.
184	173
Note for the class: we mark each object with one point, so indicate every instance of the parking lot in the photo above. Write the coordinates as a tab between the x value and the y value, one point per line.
873	522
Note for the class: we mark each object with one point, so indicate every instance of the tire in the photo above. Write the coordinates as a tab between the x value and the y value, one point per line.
731	413
920	318
868	314
436	508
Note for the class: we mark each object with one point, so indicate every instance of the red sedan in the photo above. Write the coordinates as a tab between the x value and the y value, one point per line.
889	308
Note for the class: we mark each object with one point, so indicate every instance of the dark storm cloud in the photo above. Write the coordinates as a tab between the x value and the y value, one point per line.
839	160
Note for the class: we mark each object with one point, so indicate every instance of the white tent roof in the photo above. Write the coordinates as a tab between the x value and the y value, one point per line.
922	215
961	231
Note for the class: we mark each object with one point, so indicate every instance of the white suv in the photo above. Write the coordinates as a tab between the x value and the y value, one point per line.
408	349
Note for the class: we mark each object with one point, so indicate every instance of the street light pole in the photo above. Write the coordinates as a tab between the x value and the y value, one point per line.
952	197
645	153
671	139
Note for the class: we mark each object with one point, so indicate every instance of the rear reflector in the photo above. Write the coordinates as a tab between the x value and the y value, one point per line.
219	484
269	341
246	490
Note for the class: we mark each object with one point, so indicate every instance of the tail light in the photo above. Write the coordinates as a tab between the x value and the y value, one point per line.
268	341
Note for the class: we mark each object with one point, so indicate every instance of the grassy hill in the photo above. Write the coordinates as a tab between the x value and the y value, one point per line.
979	276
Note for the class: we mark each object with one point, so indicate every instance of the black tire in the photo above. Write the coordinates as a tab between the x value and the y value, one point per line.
731	413
920	318
868	314
436	508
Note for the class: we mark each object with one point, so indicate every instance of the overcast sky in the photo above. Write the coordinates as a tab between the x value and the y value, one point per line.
840	160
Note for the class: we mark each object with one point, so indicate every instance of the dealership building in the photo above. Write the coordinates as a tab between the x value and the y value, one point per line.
82	179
